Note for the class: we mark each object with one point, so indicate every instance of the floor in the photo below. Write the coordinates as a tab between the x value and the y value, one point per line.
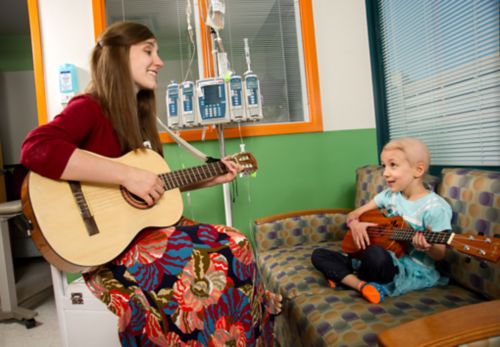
45	334
34	291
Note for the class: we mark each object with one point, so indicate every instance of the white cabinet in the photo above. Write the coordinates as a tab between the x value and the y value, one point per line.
83	319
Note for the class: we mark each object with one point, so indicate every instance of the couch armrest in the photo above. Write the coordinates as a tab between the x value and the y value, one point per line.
448	328
300	227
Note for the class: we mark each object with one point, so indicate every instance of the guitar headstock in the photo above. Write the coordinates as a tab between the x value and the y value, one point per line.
482	247
247	162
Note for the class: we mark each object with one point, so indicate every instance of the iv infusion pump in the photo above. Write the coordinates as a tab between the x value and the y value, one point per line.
213	101
172	98
236	102
252	94
188	104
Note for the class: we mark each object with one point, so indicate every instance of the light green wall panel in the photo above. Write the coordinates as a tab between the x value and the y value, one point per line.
303	171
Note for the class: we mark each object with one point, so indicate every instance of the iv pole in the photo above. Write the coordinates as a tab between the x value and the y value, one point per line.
220	132
225	187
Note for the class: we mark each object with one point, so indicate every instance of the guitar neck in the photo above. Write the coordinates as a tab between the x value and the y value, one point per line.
430	236
406	234
395	229
186	177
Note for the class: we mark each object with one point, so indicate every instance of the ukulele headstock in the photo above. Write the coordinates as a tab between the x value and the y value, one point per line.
482	247
246	161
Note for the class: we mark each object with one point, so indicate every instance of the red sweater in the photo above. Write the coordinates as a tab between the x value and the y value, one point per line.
82	124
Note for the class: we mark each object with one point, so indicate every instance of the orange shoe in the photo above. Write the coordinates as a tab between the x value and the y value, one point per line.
373	292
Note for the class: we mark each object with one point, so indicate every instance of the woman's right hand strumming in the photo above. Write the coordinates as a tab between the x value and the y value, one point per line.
85	166
145	184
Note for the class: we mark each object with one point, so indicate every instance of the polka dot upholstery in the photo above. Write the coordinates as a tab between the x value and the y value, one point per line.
475	199
316	315
298	230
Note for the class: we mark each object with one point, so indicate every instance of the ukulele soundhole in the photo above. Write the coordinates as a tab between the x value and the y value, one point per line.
134	200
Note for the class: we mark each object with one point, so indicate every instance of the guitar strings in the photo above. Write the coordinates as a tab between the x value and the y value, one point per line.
172	180
183	177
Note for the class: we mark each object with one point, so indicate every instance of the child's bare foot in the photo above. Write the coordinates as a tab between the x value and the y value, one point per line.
274	302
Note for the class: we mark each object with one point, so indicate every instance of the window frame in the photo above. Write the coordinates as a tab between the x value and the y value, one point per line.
315	122
378	81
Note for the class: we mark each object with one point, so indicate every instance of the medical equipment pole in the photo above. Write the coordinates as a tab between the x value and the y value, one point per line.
225	186
222	148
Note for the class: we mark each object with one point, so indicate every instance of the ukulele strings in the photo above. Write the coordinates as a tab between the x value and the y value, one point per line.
405	234
379	231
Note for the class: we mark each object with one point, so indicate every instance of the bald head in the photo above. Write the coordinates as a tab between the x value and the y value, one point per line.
416	151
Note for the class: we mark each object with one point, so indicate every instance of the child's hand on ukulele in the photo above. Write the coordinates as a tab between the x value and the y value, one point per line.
359	233
420	243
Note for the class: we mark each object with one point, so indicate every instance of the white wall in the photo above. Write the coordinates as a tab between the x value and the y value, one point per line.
67	31
344	64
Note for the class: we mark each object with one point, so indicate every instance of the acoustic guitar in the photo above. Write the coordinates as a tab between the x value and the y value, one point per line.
394	234
78	226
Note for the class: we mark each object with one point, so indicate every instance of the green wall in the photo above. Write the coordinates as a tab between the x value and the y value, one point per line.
15	53
303	171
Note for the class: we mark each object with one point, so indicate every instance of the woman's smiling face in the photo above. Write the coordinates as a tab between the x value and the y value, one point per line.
145	64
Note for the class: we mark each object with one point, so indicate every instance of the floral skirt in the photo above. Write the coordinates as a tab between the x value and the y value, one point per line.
186	285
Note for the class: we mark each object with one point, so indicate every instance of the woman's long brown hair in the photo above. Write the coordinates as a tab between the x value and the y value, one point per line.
132	114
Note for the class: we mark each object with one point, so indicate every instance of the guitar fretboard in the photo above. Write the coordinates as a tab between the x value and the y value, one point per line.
430	236
192	175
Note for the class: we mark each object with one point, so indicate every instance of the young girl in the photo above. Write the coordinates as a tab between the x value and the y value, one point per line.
380	272
186	284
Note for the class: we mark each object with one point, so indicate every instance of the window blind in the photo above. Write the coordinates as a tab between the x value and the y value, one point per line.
441	65
273	32
167	20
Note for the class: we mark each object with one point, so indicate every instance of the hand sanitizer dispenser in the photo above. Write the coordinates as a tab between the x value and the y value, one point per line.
68	82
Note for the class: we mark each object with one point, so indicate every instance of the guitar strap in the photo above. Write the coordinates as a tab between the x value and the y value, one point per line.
190	148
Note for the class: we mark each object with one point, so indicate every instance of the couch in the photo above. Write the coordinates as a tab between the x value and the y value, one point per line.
316	315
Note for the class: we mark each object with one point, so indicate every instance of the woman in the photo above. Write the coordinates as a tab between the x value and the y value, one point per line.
183	285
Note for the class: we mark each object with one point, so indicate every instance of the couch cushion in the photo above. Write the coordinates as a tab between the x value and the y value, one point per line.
299	230
474	196
320	316
343	318
290	271
370	181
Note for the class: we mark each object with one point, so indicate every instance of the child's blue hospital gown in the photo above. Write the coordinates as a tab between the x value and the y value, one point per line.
416	268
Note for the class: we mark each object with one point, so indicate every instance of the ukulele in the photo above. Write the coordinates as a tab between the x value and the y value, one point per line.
394	234
78	226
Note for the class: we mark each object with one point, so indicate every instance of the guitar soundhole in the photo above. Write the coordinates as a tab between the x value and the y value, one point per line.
397	223
133	199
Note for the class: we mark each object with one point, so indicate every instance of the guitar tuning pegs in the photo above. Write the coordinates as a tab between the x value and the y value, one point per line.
468	260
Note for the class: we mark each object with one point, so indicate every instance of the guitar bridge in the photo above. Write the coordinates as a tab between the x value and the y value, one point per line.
88	218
